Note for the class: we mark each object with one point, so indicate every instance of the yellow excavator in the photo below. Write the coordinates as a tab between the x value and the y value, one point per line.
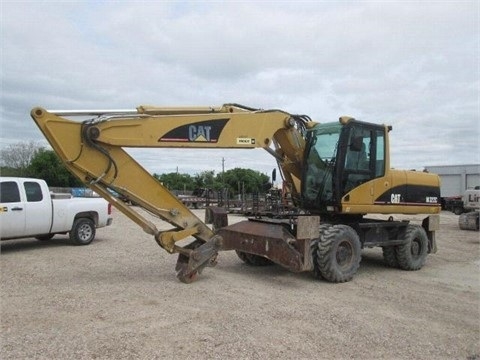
338	173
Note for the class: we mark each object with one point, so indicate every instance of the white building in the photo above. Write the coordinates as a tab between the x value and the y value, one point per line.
455	179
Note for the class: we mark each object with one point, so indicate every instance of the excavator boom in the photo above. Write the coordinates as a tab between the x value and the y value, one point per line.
93	151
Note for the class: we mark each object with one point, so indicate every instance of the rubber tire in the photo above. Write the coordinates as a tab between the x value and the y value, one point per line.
45	237
314	247
253	260
390	256
458	211
83	231
335	241
413	254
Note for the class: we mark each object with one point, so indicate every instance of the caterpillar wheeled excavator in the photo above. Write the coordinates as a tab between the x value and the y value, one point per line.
338	173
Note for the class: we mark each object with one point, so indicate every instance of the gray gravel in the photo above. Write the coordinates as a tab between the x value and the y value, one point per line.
118	298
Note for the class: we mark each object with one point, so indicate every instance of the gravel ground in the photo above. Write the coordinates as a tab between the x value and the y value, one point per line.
118	298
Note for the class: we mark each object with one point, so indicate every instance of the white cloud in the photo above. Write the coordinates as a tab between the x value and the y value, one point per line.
412	65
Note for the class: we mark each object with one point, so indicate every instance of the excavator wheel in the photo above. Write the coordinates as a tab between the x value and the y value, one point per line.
254	260
314	247
390	256
337	253
412	255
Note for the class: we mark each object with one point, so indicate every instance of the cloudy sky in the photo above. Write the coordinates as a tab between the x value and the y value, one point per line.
413	65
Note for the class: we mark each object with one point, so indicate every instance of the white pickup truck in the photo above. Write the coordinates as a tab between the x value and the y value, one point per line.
27	209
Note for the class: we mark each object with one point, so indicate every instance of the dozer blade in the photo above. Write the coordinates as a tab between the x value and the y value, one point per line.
274	241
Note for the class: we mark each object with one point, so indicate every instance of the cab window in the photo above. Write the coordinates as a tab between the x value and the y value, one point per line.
380	155
33	191
364	157
9	192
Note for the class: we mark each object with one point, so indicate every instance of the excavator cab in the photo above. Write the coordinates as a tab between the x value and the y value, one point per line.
338	158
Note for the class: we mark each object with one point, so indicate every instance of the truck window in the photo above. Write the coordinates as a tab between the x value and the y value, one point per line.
33	191
9	192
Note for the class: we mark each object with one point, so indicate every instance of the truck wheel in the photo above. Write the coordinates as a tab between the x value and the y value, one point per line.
83	231
336	254
412	255
390	256
458	211
254	260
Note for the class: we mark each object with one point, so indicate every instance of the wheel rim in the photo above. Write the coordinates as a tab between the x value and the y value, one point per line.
84	232
344	255
416	248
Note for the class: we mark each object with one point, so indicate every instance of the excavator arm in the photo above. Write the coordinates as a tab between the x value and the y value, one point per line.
93	150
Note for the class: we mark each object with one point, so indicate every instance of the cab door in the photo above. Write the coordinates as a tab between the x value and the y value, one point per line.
362	159
38	211
12	211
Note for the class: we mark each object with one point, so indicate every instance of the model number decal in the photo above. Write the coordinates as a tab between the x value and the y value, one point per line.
245	141
431	199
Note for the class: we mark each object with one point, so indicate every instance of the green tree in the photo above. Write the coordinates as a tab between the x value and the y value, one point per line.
238	180
9	171
207	179
16	158
176	181
47	166
234	180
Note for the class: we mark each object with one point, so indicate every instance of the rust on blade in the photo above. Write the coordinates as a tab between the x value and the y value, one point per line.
273	240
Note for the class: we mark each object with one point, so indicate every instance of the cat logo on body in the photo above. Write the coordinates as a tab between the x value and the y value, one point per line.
207	131
396	198
199	133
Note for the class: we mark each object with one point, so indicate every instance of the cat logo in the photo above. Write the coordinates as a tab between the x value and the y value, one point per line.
396	198
204	131
199	133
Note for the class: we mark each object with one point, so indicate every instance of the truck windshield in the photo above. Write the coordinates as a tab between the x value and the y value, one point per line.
321	149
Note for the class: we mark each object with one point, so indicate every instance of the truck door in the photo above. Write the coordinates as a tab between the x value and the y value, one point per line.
12	211
38	209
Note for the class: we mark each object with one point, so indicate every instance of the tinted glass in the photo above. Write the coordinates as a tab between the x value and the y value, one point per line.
33	191
9	192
